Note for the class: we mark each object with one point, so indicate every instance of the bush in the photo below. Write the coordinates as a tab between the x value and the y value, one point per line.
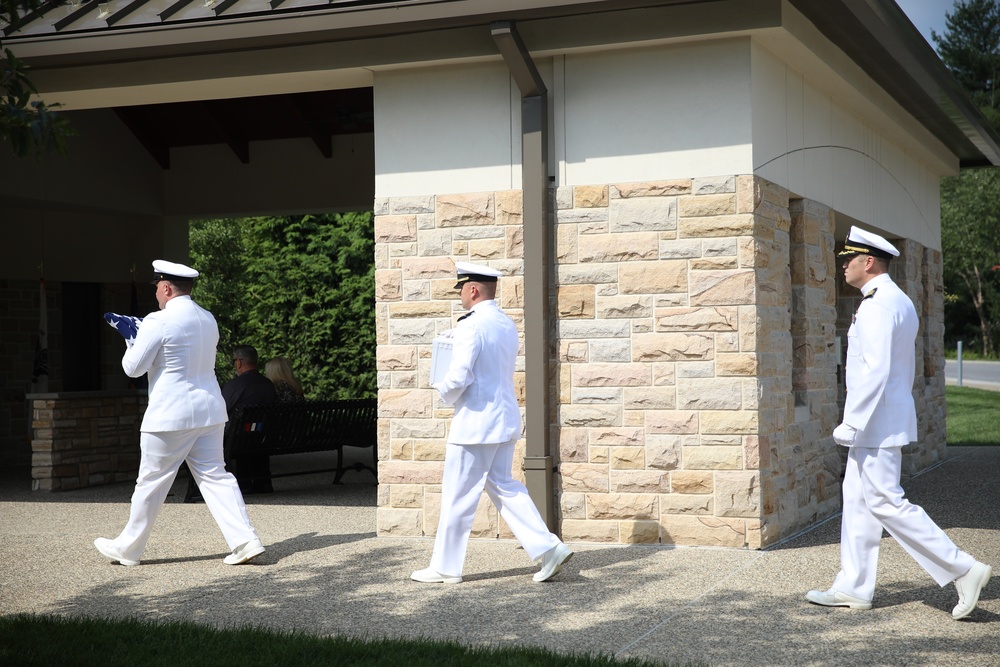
301	287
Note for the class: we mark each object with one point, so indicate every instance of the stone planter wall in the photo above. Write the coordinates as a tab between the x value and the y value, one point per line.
82	439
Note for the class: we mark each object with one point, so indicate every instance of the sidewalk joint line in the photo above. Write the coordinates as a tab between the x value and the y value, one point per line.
690	603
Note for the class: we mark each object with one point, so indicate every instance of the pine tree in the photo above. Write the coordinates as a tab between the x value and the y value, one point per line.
970	48
970	238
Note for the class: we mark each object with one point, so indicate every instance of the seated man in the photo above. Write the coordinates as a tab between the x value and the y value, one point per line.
249	387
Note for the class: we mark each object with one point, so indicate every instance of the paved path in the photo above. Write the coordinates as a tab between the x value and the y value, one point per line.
976	374
326	573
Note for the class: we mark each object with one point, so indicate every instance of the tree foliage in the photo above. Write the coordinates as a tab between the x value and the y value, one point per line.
970	47
28	125
970	202
970	236
301	287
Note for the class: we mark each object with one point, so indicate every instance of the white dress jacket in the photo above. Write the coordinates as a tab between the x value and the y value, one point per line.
880	367
480	378
176	346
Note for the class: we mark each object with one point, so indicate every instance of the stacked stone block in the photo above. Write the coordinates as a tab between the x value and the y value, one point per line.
85	439
811	467
929	389
691	389
418	239
694	369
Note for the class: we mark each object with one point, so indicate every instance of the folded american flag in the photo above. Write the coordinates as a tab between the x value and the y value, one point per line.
126	325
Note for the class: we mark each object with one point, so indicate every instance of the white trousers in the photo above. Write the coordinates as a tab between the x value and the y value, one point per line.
468	469
162	455
873	500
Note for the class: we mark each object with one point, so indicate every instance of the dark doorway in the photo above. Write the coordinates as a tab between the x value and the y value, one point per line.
81	336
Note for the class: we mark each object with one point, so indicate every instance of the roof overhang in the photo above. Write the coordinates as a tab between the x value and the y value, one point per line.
878	36
875	34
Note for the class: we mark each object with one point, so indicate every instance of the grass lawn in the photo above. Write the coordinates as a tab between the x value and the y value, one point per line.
973	416
43	641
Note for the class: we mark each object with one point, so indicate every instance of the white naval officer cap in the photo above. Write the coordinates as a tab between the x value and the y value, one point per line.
172	271
468	272
860	242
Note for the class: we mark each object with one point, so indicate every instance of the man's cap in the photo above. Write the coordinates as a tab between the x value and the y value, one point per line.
164	270
468	272
860	242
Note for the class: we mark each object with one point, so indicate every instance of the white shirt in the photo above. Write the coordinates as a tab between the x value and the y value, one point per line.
480	378
176	346
881	359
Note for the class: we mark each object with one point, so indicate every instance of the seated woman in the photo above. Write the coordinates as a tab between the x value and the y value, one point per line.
288	388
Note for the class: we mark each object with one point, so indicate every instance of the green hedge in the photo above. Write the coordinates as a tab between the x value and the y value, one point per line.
301	287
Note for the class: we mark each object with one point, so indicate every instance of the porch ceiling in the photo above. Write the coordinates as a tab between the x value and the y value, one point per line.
317	116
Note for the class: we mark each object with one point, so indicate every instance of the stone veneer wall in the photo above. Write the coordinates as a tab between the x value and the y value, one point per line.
416	241
929	390
807	473
673	370
85	439
694	368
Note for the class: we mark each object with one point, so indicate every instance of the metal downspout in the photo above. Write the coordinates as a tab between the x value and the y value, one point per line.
535	186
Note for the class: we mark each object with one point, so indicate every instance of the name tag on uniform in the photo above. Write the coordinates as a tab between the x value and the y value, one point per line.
440	358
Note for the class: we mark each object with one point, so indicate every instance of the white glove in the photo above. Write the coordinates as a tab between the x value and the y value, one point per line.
447	333
844	435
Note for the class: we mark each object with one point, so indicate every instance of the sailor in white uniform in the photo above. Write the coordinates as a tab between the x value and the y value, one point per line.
486	426
879	419
184	420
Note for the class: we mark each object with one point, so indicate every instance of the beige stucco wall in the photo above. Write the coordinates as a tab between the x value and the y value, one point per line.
855	158
723	106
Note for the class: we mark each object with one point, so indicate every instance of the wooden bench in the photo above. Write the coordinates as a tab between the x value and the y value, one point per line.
300	428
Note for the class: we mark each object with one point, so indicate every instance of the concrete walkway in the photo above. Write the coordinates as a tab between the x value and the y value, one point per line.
976	374
326	573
